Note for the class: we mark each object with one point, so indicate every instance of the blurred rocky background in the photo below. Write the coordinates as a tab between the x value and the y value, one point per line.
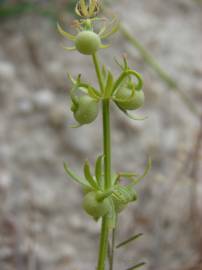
42	225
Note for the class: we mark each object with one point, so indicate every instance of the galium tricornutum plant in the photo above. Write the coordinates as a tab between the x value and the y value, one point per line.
105	195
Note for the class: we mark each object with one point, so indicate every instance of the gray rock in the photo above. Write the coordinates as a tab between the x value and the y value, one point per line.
43	99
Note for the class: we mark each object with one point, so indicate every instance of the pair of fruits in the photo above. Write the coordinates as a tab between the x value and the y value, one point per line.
86	109
99	208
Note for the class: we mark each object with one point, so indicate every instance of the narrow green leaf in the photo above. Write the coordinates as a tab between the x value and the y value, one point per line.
105	46
69	48
83	7
115	178
75	125
74	177
65	34
104	71
71	78
109	85
136	266
146	171
110	29
89	176
92	6
127	174
103	29
132	116
104	74
88	90
129	240
93	93
85	87
98	169
119	64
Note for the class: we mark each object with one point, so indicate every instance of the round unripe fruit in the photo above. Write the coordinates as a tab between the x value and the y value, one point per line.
94	207
133	103
86	110
87	42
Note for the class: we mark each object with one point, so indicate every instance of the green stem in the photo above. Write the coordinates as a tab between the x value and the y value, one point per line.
107	166
98	72
111	263
106	143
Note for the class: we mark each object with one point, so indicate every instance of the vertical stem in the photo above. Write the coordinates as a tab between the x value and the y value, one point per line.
107	166
103	244
111	263
98	72
107	176
106	142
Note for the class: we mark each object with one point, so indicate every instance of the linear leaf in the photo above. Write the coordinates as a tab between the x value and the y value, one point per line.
89	176
88	89
93	93
104	72
131	116
110	29
64	33
109	85
133	238
98	169
146	171
136	266
114	178
74	177
127	174
69	48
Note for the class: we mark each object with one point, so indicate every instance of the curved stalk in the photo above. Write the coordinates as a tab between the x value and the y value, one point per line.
107	166
98	72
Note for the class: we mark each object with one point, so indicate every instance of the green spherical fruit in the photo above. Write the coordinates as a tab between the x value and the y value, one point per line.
87	42
133	103
86	110
95	208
